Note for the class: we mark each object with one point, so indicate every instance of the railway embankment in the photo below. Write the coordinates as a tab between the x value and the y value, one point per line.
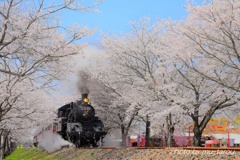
123	154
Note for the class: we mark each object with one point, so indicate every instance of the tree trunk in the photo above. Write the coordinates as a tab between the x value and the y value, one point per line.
124	136
125	129
1	146
4	146
169	139
124	140
1	114
170	130
147	132
9	149
197	135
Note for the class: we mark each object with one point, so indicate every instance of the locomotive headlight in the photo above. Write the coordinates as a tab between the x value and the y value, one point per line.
85	100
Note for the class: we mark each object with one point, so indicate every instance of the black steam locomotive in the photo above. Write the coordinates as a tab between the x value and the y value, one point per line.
78	124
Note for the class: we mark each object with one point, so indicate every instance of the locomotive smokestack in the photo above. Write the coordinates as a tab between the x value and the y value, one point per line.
84	93
84	96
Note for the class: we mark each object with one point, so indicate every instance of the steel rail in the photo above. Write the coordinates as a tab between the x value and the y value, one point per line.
172	148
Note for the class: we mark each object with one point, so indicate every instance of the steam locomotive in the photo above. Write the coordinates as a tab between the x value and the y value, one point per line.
77	123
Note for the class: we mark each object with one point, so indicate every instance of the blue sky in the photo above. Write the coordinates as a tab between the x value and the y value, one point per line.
115	15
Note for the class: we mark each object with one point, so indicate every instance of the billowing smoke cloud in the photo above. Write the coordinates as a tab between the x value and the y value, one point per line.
53	142
83	83
111	141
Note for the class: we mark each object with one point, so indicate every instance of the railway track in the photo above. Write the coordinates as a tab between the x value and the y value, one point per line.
172	148
147	153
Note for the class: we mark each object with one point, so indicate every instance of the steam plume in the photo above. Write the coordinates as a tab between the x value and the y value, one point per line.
53	142
83	83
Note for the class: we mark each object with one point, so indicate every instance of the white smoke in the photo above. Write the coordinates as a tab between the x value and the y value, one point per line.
111	141
53	142
83	82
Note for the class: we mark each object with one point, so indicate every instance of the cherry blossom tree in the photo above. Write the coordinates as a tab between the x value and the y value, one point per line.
34	49
143	55
200	99
189	67
25	116
108	94
161	75
211	31
203	55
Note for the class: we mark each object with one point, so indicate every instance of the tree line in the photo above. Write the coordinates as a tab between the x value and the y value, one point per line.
186	68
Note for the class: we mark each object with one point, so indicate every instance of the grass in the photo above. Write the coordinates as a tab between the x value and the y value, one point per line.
31	154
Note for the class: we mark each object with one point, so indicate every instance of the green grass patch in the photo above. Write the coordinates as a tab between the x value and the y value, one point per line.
21	154
30	154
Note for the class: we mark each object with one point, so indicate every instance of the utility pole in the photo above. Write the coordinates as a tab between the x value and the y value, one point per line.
147	131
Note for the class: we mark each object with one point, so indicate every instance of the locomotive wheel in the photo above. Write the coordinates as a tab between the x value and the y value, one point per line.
68	137
78	143
100	142
94	144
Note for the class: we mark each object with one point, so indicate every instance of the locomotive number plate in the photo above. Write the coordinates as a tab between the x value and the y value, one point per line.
86	108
